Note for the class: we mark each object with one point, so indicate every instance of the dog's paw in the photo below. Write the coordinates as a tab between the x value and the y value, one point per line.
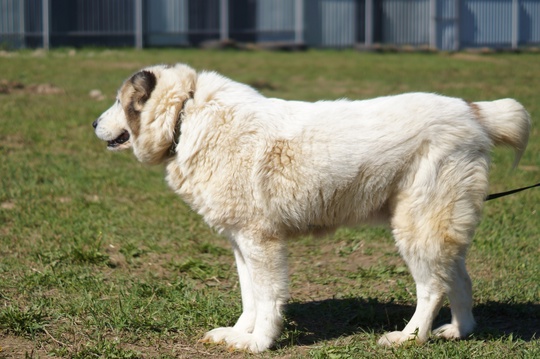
448	331
397	338
220	335
237	340
249	342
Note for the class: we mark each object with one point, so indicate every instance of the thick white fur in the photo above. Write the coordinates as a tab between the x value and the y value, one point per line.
263	170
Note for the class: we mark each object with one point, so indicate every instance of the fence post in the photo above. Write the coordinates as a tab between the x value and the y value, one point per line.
368	37
457	25
224	20
515	24
299	22
22	26
138	24
45	24
433	24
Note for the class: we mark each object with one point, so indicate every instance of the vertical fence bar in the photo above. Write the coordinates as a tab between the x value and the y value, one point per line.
22	24
515	24
368	37
45	33
224	20
433	19
299	22
138	24
457	25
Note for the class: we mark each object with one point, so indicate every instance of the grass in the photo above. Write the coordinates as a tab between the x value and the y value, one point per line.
99	259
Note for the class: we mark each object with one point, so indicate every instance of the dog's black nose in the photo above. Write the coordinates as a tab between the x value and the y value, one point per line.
94	124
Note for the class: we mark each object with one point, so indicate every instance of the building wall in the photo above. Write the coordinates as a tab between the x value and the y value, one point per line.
12	22
331	23
166	23
529	15
405	22
486	23
441	24
274	20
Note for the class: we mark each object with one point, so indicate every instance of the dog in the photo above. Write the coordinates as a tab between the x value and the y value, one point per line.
263	170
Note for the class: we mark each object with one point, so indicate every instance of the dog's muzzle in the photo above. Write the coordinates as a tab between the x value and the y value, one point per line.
121	139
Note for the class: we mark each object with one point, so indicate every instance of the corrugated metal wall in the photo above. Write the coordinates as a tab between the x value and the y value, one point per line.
529	17
486	23
33	27
338	22
275	20
91	22
96	16
405	22
166	23
447	25
12	22
203	20
21	23
331	23
443	24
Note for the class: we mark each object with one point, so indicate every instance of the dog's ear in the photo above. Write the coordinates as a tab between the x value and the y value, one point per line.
143	83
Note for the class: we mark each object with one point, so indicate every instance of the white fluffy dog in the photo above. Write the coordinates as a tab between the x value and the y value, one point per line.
263	170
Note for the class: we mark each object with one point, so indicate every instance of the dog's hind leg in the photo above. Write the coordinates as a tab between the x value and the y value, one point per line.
430	293
461	302
263	274
433	223
466	213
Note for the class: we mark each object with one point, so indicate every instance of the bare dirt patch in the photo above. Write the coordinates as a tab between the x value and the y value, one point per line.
19	347
324	269
12	142
477	57
7	205
8	87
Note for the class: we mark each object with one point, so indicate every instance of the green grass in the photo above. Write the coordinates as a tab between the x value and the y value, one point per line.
98	258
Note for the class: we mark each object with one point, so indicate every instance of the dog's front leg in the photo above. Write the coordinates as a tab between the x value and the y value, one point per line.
262	270
246	322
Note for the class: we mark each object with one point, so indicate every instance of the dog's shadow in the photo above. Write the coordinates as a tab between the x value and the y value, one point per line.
311	322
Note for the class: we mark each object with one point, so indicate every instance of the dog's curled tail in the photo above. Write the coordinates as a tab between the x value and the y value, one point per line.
507	123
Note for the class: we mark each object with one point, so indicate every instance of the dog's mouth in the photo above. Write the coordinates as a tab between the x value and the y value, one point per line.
123	138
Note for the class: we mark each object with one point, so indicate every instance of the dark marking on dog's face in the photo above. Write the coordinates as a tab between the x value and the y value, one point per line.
144	82
142	85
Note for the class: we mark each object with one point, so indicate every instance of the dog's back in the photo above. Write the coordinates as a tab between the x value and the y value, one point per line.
345	162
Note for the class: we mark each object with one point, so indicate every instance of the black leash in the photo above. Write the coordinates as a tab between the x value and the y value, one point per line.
502	194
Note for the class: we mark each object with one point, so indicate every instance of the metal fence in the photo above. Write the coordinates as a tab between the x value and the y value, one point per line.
437	24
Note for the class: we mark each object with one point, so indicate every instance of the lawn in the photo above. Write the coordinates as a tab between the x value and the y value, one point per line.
98	258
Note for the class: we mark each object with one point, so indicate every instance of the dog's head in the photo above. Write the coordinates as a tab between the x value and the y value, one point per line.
146	112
